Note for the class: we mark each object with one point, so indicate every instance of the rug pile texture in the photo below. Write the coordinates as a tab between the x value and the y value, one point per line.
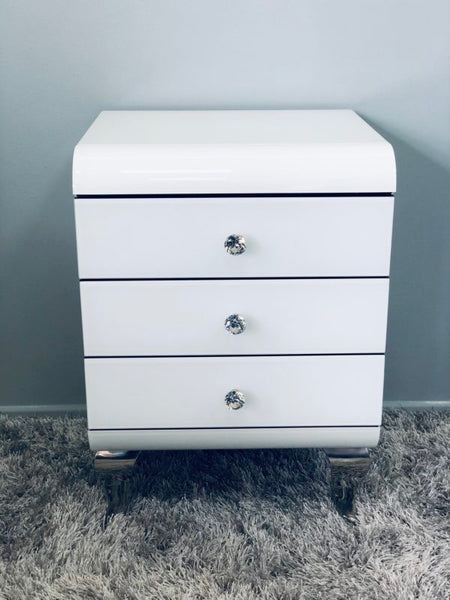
222	525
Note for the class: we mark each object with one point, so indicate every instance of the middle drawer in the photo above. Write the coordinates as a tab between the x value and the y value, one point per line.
291	316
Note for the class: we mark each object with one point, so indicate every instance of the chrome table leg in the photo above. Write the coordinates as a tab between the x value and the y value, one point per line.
348	468
115	460
114	470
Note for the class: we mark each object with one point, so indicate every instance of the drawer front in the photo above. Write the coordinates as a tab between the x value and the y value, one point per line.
238	437
294	316
130	238
288	391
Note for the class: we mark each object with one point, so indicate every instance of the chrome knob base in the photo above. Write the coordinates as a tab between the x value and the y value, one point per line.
235	244
235	400
235	324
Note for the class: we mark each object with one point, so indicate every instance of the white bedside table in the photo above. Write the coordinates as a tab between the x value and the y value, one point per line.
234	275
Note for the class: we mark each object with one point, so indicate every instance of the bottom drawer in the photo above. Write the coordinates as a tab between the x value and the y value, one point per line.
279	391
262	437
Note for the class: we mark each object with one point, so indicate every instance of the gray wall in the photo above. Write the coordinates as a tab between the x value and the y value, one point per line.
64	61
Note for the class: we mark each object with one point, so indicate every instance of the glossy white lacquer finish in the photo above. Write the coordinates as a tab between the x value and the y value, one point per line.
232	152
184	237
290	316
279	391
183	439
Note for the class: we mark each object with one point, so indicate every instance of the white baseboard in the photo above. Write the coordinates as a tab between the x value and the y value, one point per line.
417	405
80	409
52	410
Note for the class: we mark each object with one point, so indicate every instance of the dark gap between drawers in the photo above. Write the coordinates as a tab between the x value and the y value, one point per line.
263	195
228	355
244	427
227	278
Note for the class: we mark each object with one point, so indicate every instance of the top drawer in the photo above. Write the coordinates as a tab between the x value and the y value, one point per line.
151	238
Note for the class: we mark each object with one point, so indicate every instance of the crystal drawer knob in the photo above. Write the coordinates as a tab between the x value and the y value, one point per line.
235	324
235	399
235	244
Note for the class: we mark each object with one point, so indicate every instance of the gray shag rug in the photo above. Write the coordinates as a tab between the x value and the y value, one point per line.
222	524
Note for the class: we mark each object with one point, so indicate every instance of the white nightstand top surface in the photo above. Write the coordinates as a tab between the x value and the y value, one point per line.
232	152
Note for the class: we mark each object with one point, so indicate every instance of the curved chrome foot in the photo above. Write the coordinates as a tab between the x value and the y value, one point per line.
115	460
348	468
